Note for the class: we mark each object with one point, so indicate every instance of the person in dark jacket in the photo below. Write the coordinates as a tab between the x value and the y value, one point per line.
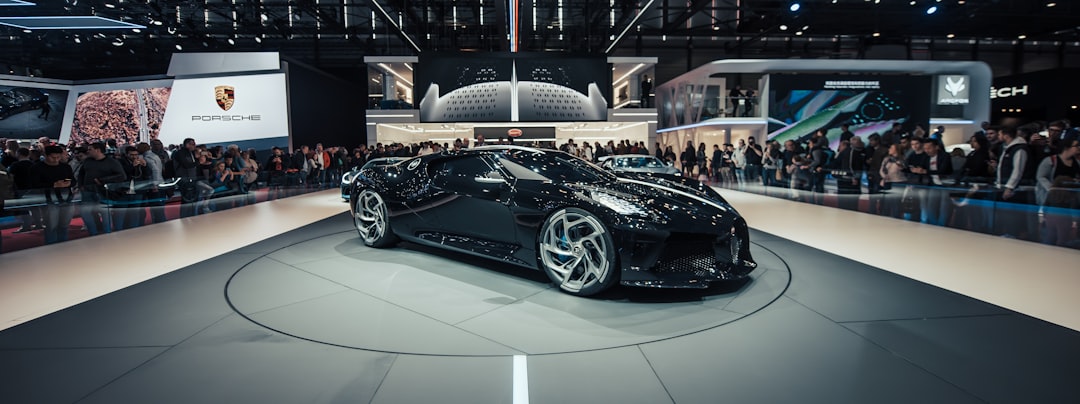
97	170
818	166
851	164
55	179
977	166
185	162
934	167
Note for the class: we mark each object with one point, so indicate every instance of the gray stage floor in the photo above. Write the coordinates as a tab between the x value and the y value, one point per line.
314	316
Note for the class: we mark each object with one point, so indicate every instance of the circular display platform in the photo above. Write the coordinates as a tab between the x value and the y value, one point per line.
420	300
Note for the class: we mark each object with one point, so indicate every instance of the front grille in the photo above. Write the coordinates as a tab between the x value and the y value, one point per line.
706	255
685	253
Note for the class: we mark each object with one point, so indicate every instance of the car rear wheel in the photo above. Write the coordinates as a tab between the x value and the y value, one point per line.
577	252
372	221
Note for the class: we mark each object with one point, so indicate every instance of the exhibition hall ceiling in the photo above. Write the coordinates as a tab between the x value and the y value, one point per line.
335	35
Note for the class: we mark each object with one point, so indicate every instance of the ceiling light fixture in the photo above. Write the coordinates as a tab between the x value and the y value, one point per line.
795	7
783	27
931	10
179	48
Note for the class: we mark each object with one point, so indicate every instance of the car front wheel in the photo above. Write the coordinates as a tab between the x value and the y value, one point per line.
371	220
577	252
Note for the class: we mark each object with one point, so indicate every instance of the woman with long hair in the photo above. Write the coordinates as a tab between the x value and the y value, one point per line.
892	172
702	160
771	162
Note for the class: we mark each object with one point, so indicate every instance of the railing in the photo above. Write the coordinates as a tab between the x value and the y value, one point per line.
966	205
25	222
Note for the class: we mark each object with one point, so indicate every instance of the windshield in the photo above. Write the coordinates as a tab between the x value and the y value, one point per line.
550	165
638	162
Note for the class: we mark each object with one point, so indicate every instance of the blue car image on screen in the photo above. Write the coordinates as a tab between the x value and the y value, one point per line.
585	227
21	99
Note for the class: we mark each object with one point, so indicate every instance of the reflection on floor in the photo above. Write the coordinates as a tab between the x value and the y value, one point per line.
1034	279
332	318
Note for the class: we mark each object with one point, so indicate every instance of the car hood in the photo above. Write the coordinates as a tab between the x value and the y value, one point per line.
657	196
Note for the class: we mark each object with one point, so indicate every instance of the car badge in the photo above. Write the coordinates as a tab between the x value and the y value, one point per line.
413	164
225	96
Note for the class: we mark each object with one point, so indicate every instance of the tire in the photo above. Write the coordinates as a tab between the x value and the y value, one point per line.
577	252
371	220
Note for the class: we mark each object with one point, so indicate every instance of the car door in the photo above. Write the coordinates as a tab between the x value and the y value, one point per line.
473	203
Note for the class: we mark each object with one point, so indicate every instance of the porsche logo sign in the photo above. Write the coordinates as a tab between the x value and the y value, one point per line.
225	96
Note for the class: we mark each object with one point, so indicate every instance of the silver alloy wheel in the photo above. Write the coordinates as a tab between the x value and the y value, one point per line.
369	216
574	250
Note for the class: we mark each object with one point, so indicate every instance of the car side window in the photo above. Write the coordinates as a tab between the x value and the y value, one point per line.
460	174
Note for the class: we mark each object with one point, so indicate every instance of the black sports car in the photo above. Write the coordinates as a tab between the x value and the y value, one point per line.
586	227
21	99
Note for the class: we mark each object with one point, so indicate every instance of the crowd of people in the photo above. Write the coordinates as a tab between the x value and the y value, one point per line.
1021	182
1033	168
113	187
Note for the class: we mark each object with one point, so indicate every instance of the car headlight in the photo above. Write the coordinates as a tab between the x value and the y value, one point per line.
347	178
619	205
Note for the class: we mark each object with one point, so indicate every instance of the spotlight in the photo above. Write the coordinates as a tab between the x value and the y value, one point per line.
1022	37
179	48
931	10
783	27
258	39
231	41
136	30
950	36
77	39
795	7
877	34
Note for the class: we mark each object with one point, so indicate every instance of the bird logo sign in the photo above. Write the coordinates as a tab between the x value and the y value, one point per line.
955	87
953	90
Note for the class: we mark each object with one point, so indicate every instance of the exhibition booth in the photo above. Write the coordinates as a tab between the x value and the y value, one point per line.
727	100
252	100
548	100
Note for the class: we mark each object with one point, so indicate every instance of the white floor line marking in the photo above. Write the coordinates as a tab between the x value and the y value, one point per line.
521	380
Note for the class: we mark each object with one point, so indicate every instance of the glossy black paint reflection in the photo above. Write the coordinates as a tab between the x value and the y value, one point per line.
492	202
